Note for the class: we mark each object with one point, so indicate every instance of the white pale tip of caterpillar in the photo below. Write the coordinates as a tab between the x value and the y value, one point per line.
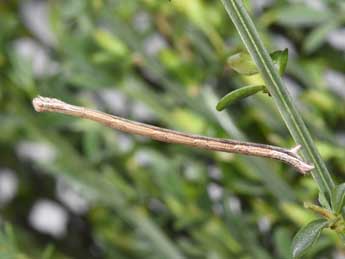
42	104
38	103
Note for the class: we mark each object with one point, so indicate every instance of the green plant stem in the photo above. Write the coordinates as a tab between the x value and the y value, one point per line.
283	100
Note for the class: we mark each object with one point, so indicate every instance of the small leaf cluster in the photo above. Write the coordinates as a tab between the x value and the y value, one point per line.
333	219
244	65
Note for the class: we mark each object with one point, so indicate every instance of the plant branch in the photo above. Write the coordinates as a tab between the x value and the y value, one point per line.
288	156
279	92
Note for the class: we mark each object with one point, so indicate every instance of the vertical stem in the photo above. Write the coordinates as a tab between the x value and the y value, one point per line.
279	92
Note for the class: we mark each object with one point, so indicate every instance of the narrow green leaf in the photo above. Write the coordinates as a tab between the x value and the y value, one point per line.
307	236
319	35
300	15
242	63
239	94
323	201
338	198
280	59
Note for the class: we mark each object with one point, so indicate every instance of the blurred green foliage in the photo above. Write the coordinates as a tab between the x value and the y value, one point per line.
162	62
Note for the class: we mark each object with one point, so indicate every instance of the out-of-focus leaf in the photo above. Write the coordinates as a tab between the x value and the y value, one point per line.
110	43
48	252
188	121
338	198
329	151
8	246
149	229
307	236
236	224
301	15
319	35
22	72
282	240
296	213
239	94
322	101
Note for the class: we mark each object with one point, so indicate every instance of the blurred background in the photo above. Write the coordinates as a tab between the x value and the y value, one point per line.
70	188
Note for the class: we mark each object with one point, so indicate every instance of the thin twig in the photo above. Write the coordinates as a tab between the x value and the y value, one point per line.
288	156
